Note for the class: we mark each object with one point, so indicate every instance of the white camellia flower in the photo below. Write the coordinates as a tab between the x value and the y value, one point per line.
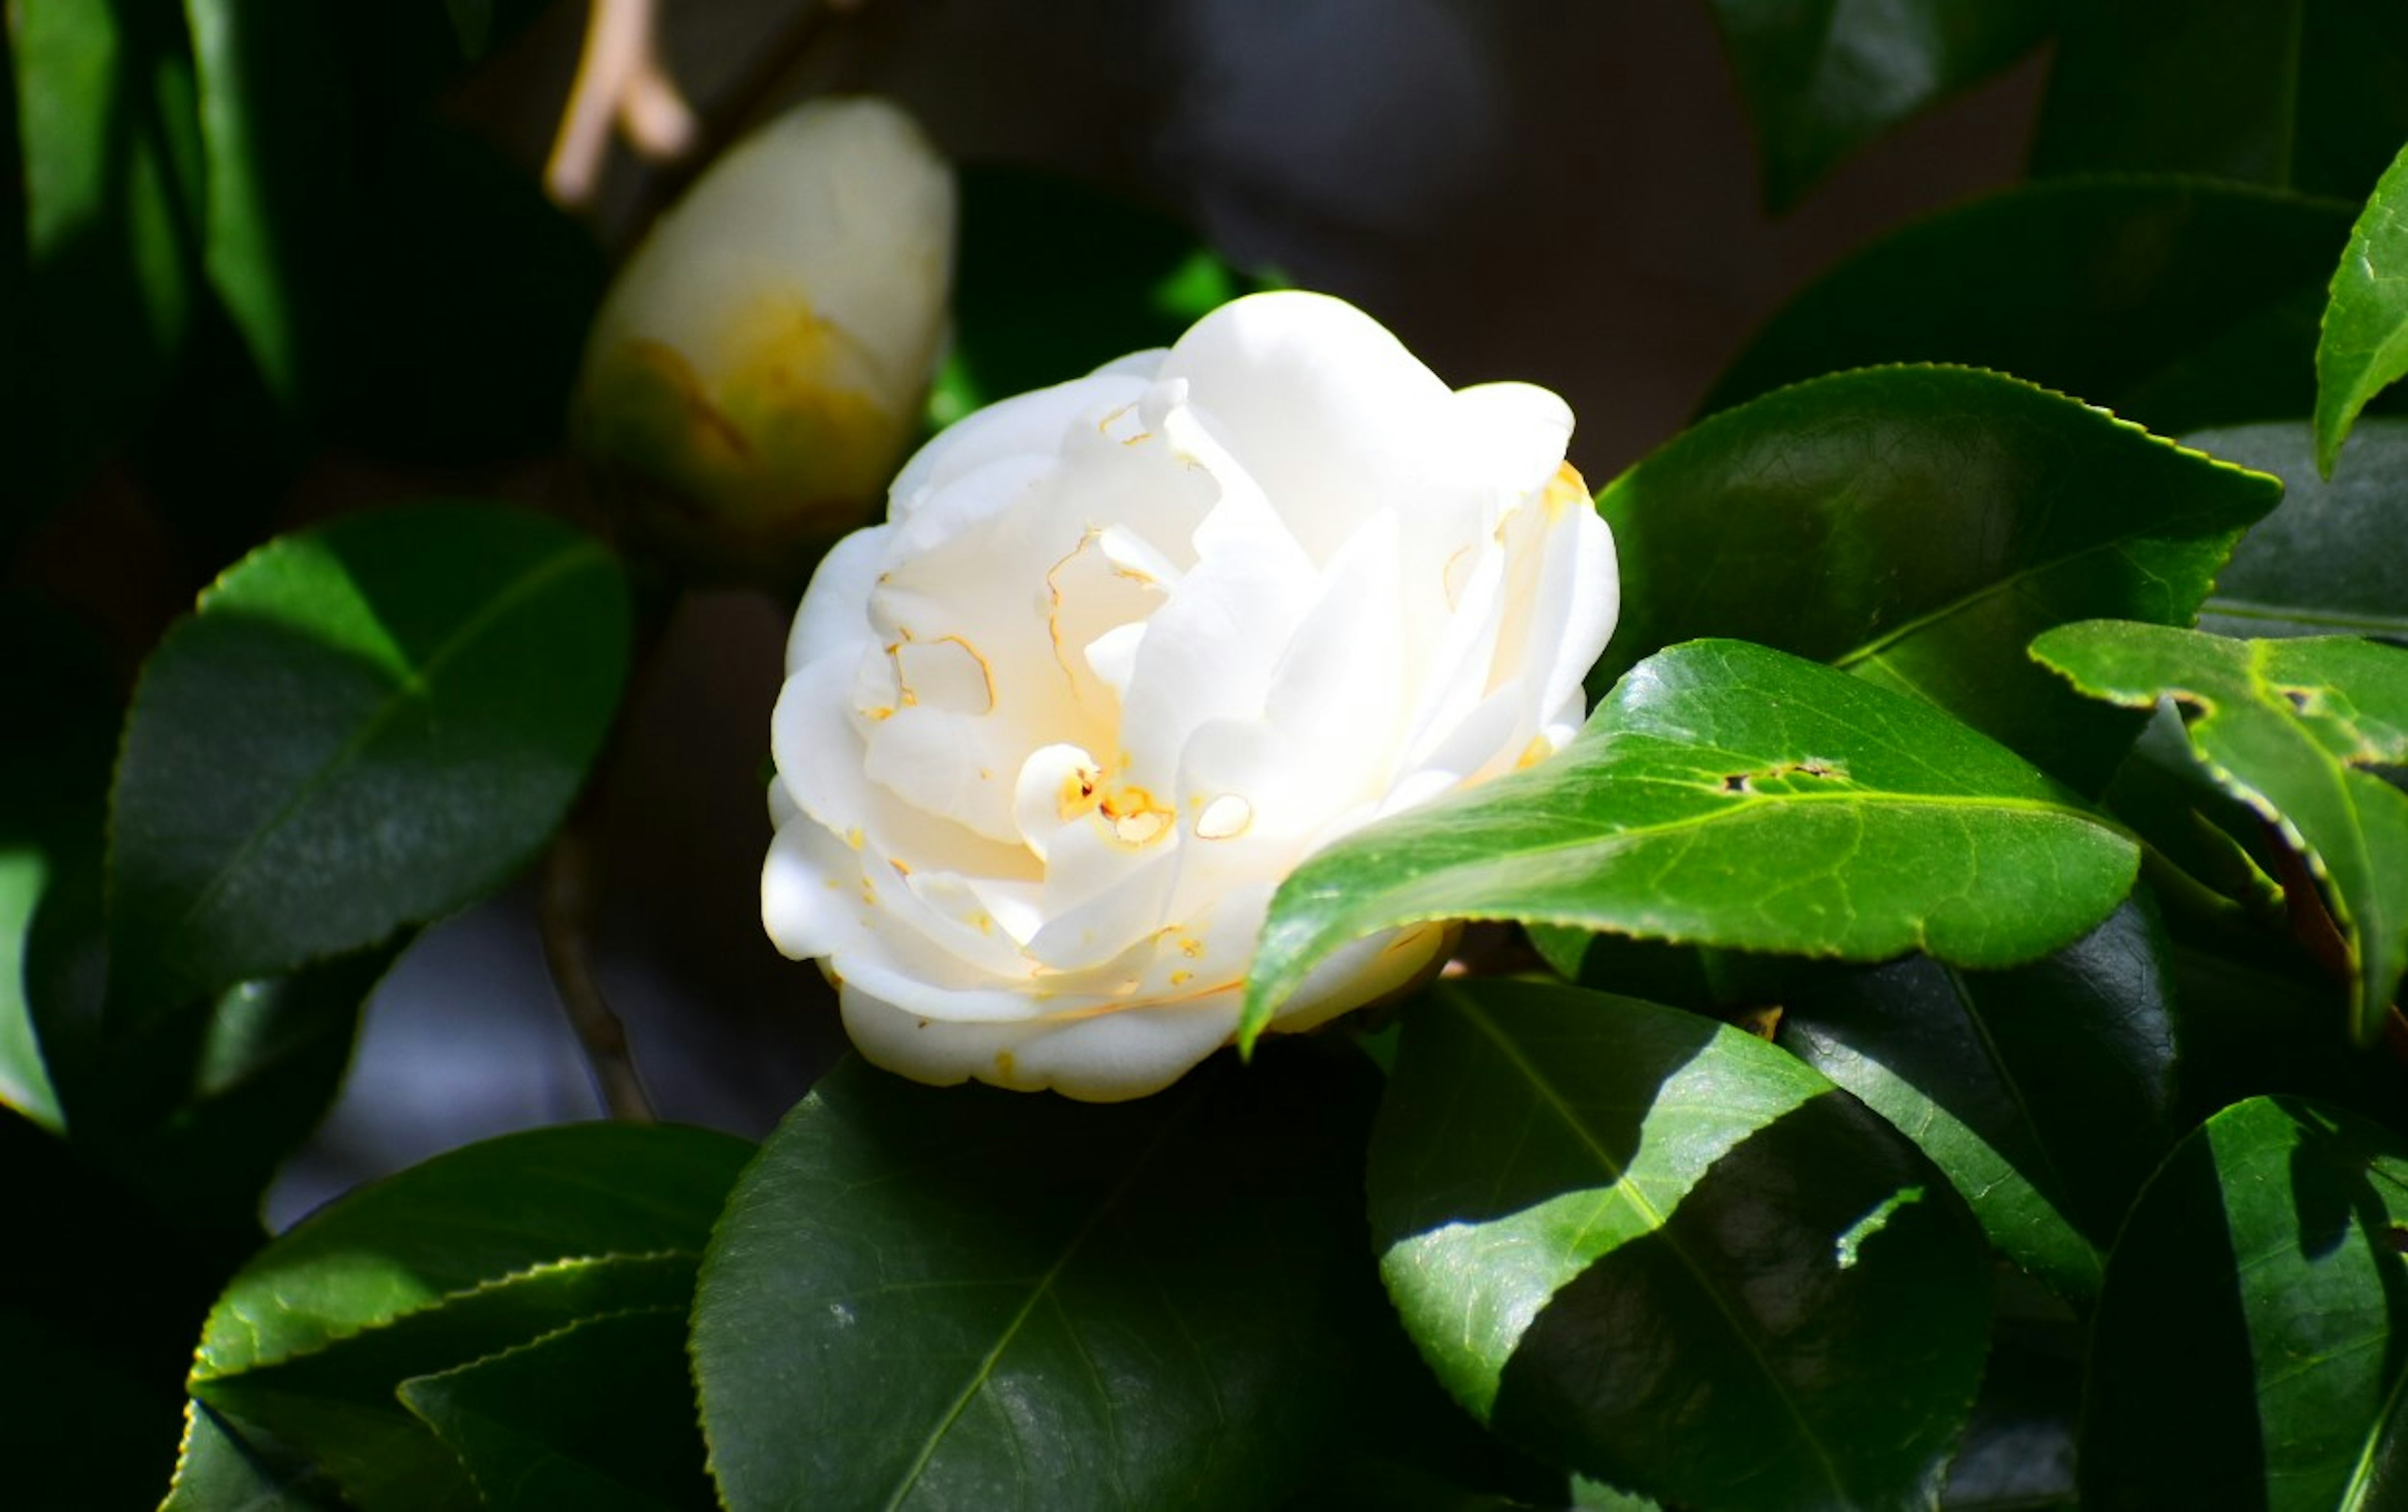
761	361
1129	649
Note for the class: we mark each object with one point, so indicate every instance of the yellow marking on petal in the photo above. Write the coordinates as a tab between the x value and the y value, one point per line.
902	867
1179	979
854	839
1137	818
986	670
1078	792
1565	489
1452	576
1006	1067
1192	948
1537	751
881	714
869	892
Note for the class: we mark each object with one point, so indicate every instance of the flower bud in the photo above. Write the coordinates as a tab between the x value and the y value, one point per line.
761	361
1128	651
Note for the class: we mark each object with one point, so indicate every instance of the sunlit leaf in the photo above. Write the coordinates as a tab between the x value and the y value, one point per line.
2363	348
1730	795
1918	527
1668	1254
2291	728
2250	1347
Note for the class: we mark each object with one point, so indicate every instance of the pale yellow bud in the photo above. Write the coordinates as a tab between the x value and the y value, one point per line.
760	363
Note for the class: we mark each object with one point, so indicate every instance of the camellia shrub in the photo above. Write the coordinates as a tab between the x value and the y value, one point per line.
1856	965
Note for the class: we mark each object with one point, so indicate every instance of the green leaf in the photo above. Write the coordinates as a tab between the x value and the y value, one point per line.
463	1219
2043	1092
1823	78
597	1416
1056	278
338	1405
275	130
2289	727
2249	1348
963	1297
2288	94
1918	527
2322	563
1665	1253
53	794
221	1467
2179	303
366	726
1729	794
107	128
469	1255
2363	346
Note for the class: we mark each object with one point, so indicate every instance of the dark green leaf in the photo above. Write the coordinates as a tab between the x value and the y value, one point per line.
275	131
963	1297
2288	94
2251	1349
2179	303
2194	827
465	1219
1918	527
1729	794
366	726
337	1406
2323	563
1823	78
2289	727
111	141
2363	348
1669	1255
470	1254
598	1417
1056	278
53	796
223	1468
2043	1092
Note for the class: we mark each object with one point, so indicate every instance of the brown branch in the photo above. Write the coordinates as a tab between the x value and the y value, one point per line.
564	909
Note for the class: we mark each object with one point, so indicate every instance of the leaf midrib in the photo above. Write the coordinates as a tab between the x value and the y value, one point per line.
409	689
1039	1292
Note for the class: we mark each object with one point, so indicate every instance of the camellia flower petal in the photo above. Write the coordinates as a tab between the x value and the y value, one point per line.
1129	649
761	361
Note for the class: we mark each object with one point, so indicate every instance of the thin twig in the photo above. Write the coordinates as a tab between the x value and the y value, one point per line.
564	909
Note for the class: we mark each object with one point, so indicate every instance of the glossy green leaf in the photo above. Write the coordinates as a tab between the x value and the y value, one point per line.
275	130
2250	1348
463	1220
598	1417
2044	1092
1823	78
1918	527
469	1255
953	1297
1729	794
2363	347
366	726
109	130
1056	278
1671	1256
2323	563
339	1406
2179	303
2289	727
2288	94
